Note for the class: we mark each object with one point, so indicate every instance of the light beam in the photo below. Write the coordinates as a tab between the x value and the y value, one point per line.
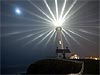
45	37
74	12
40	17
80	36
56	5
65	38
36	38
50	38
30	35
63	8
71	37
41	10
49	10
69	9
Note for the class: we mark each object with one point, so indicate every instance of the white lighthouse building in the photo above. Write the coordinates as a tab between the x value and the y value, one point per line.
61	52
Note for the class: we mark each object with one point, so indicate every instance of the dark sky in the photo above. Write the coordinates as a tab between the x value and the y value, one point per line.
84	21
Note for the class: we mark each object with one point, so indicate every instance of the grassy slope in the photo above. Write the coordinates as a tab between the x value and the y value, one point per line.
53	66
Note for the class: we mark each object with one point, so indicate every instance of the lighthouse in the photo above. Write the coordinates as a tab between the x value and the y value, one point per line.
62	53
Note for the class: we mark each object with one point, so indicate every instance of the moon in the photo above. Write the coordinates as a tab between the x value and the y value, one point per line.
17	10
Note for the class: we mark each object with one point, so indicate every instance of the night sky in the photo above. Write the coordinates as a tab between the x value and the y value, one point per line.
23	33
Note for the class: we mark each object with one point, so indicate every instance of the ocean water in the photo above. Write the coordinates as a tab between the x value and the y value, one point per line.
14	70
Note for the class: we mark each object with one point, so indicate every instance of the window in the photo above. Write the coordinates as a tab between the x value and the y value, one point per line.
60	42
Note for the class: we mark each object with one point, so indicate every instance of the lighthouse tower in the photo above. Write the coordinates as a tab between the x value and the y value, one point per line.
61	52
59	38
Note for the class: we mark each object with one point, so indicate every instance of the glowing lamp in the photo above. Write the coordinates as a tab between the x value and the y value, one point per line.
58	23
